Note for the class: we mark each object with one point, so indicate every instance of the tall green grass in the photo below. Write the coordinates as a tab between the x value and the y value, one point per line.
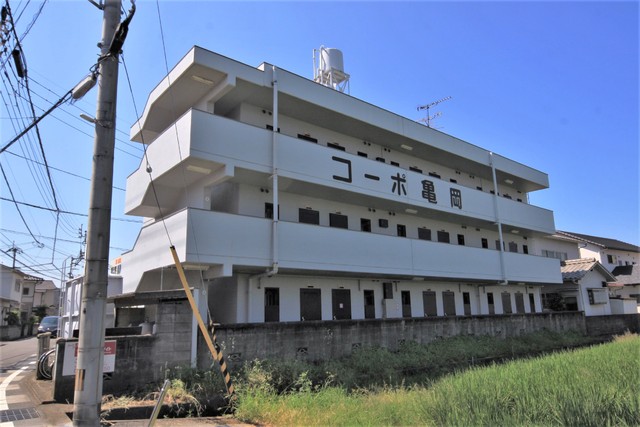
598	386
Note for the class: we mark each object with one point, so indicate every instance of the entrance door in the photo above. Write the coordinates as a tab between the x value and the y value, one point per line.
492	307
341	301
429	303
506	303
532	303
405	296
519	303
310	304
449	303
271	304
466	301
369	305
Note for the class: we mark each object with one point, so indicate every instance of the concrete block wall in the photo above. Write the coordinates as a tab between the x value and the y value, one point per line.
615	324
173	330
323	340
134	367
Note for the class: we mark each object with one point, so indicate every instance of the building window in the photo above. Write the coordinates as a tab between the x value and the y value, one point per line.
25	291
443	237
525	249
513	247
402	230
562	256
424	234
308	216
485	243
383	223
336	146
307	137
361	154
433	174
394	163
415	169
498	245
455	181
17	286
461	239
365	224
338	220
612	259
268	210
380	159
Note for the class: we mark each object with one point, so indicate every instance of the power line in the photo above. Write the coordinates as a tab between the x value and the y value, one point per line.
65	212
57	169
16	203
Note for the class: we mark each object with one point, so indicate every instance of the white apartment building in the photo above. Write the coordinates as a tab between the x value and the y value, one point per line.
289	200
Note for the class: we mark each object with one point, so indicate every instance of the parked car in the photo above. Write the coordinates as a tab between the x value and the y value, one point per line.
49	324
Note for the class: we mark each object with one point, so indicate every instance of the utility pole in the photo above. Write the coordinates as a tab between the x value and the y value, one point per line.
88	385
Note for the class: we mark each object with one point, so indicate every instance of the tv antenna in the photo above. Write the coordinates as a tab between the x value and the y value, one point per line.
427	120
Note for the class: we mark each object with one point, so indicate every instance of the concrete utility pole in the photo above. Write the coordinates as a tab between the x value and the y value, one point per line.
88	386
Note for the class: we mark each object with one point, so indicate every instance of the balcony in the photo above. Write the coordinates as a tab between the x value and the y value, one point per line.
214	148
233	242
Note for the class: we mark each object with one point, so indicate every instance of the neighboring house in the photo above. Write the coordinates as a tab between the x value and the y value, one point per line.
586	287
288	200
629	277
610	253
18	291
48	295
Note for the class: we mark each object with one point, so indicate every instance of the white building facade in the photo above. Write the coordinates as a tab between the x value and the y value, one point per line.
287	200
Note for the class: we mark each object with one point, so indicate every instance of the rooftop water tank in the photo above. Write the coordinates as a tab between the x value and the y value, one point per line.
331	58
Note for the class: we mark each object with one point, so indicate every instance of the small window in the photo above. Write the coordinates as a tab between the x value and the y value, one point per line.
383	223
479	188
402	230
415	169
424	234
380	159
443	237
455	181
513	247
307	137
338	220
25	291
268	210
433	174
308	216
336	146
498	245
270	127
394	164
485	243
362	154
461	239
525	249
365	224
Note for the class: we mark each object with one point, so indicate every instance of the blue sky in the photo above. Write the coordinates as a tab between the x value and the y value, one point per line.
553	85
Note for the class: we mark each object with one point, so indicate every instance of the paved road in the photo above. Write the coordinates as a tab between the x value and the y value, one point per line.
14	353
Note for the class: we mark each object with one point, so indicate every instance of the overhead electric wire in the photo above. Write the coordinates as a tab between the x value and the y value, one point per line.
66	212
59	170
16	203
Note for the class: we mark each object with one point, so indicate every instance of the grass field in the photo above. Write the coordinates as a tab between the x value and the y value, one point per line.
596	386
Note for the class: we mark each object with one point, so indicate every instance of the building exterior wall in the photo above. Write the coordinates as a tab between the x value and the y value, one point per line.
391	201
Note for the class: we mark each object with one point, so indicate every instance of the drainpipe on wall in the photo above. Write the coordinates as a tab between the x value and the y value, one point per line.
274	189
498	221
